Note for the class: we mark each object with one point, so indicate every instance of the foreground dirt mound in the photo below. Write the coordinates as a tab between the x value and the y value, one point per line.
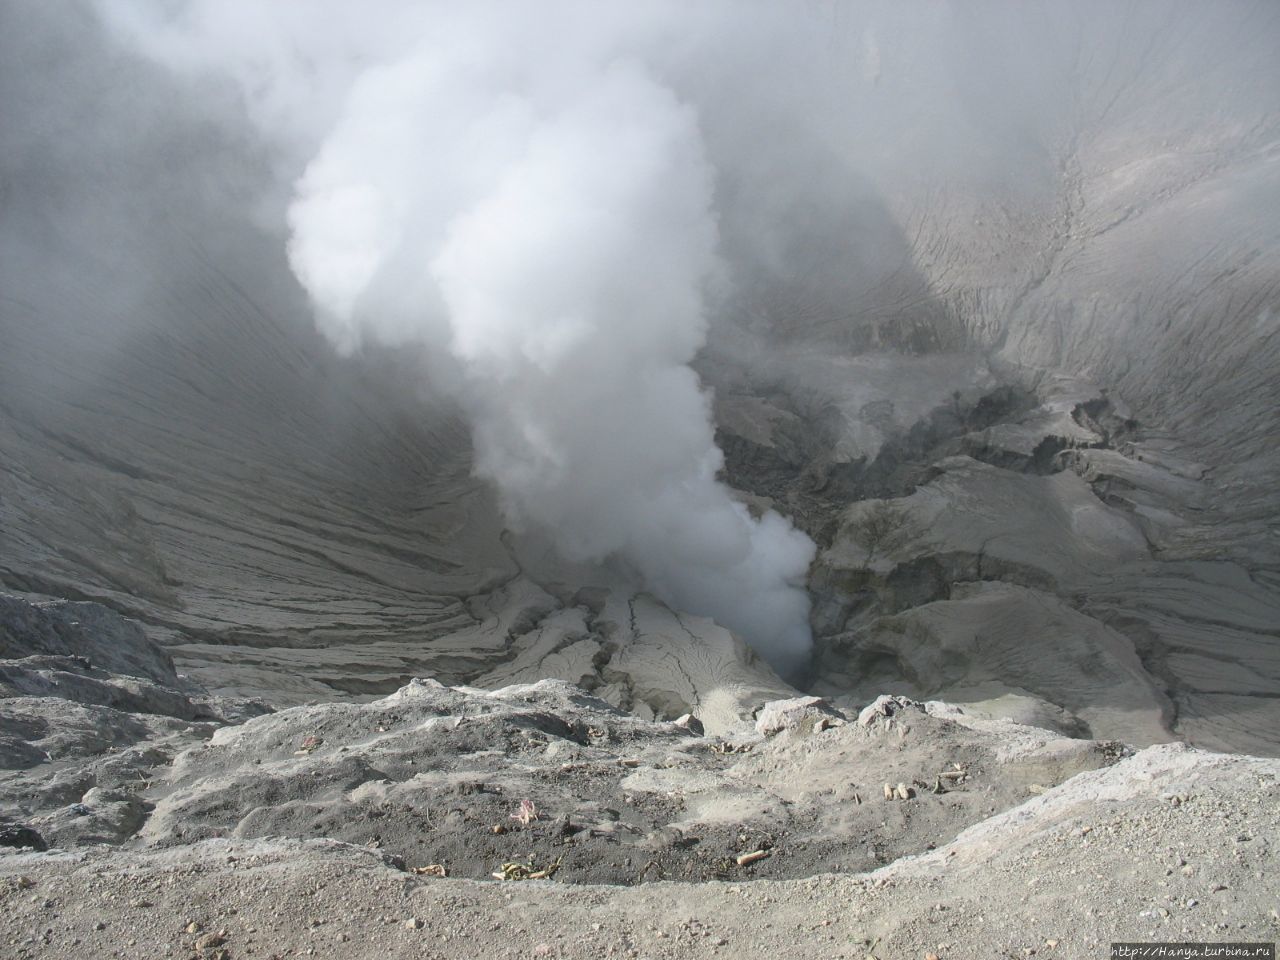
537	820
1170	844
550	779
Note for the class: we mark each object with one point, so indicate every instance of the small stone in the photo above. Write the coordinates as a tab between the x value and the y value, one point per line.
99	925
888	792
1051	944
193	927
542	950
1188	870
1163	912
904	792
413	923
931	956
211	940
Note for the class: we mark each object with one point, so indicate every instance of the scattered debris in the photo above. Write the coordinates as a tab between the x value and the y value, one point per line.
431	870
526	814
413	923
308	745
526	871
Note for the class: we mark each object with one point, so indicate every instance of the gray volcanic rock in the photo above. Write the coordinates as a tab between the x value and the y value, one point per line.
96	634
1031	554
85	722
72	679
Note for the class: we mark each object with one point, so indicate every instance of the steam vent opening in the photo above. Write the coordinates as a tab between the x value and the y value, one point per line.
453	456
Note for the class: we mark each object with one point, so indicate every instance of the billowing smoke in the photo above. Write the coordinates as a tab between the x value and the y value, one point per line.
516	187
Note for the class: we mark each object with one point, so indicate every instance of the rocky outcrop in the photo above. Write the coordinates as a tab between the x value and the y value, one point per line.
778	715
93	635
89	709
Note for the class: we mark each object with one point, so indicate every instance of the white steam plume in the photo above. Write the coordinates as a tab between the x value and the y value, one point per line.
516	186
